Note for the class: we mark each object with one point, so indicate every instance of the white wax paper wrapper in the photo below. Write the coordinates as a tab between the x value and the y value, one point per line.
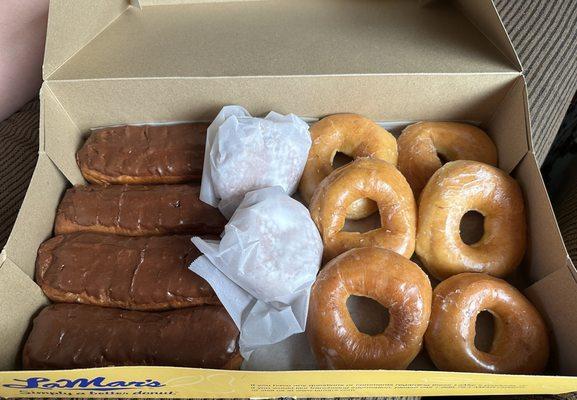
245	153
263	268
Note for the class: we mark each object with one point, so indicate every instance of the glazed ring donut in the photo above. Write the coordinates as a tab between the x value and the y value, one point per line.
365	178
421	143
520	343
384	276
452	191
354	136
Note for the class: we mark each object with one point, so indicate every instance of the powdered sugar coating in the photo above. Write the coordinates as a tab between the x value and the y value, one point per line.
281	246
249	153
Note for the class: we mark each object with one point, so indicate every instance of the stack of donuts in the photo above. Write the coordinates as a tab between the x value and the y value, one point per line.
117	267
421	201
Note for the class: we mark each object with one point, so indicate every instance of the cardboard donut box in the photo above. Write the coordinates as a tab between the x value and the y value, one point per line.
111	62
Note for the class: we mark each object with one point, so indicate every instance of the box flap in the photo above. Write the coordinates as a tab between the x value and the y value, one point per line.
71	25
112	39
36	216
555	296
20	299
485	17
546	250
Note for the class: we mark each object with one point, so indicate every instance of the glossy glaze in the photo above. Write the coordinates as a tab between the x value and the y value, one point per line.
365	178
520	343
135	273
144	154
354	136
80	336
452	191
382	275
137	211
420	144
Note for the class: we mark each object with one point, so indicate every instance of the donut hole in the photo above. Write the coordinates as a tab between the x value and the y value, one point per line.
369	316
443	158
472	227
341	159
484	331
362	225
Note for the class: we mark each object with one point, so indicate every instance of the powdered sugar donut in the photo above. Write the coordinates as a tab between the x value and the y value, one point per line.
246	153
271	247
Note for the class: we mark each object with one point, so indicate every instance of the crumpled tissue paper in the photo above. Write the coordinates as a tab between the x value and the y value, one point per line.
244	153
264	266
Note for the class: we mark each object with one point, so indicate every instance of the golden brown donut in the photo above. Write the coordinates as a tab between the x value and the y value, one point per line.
520	343
354	136
365	178
384	276
421	143
452	191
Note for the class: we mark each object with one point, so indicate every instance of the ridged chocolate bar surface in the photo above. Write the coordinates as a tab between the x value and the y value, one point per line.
67	336
135	273
144	154
137	211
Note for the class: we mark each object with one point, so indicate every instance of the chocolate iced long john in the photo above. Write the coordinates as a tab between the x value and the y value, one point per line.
135	273
81	336
144	154
137	211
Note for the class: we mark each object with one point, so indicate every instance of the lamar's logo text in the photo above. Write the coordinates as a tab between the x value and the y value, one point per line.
98	383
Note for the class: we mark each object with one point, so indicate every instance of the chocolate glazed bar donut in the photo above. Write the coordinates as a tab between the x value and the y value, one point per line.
79	336
135	273
137	211
144	154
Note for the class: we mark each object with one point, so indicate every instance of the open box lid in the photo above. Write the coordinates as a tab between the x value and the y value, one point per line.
209	38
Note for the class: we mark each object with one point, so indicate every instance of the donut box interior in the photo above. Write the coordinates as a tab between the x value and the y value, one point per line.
111	62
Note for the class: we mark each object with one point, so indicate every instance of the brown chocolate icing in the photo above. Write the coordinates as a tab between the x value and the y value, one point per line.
137	211
82	336
136	273
144	154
